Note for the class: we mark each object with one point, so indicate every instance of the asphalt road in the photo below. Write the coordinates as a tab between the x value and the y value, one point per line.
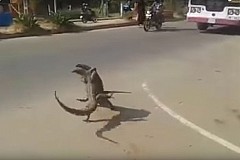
195	75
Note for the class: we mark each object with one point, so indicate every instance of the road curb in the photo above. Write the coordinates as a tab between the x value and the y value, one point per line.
113	25
88	28
99	19
19	35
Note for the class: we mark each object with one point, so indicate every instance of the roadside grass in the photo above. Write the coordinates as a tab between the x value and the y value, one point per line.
45	28
27	25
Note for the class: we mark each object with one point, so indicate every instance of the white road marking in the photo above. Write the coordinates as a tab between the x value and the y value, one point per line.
190	124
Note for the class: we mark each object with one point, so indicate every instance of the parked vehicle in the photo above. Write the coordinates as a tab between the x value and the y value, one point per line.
206	13
154	18
87	14
127	7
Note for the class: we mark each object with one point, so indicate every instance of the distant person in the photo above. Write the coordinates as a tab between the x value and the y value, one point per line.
140	8
157	9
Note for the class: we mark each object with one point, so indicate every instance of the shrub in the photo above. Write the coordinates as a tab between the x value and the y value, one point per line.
27	21
72	14
59	19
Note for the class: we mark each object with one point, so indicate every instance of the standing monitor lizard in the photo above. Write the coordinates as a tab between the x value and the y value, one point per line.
92	97
95	92
103	100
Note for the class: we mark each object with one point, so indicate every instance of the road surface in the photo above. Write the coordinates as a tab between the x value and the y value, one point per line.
184	104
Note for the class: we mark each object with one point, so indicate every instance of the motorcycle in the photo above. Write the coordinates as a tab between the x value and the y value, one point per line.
127	7
153	20
87	14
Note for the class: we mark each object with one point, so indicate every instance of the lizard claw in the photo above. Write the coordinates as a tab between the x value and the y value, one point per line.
112	97
85	120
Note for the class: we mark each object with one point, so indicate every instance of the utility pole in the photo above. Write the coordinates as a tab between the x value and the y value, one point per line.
121	8
170	4
55	5
25	6
101	8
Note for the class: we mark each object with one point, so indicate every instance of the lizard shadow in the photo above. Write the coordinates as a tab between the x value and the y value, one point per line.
172	29
125	115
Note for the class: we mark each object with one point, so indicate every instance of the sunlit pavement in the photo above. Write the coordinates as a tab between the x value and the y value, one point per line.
194	74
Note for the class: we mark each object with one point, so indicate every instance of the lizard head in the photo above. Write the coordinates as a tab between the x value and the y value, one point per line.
79	71
82	73
83	66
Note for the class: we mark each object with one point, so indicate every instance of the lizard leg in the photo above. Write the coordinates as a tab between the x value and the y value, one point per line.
109	104
82	99
110	95
104	102
87	120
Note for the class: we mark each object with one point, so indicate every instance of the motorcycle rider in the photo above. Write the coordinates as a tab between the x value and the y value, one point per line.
87	13
156	10
127	7
86	9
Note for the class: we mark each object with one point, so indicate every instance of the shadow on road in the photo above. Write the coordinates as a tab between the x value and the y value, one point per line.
172	29
125	115
226	30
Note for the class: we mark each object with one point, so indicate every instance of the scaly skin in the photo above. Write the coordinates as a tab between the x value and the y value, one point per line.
103	100
95	92
92	97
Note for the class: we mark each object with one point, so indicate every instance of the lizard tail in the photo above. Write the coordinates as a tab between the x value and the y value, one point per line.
79	112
